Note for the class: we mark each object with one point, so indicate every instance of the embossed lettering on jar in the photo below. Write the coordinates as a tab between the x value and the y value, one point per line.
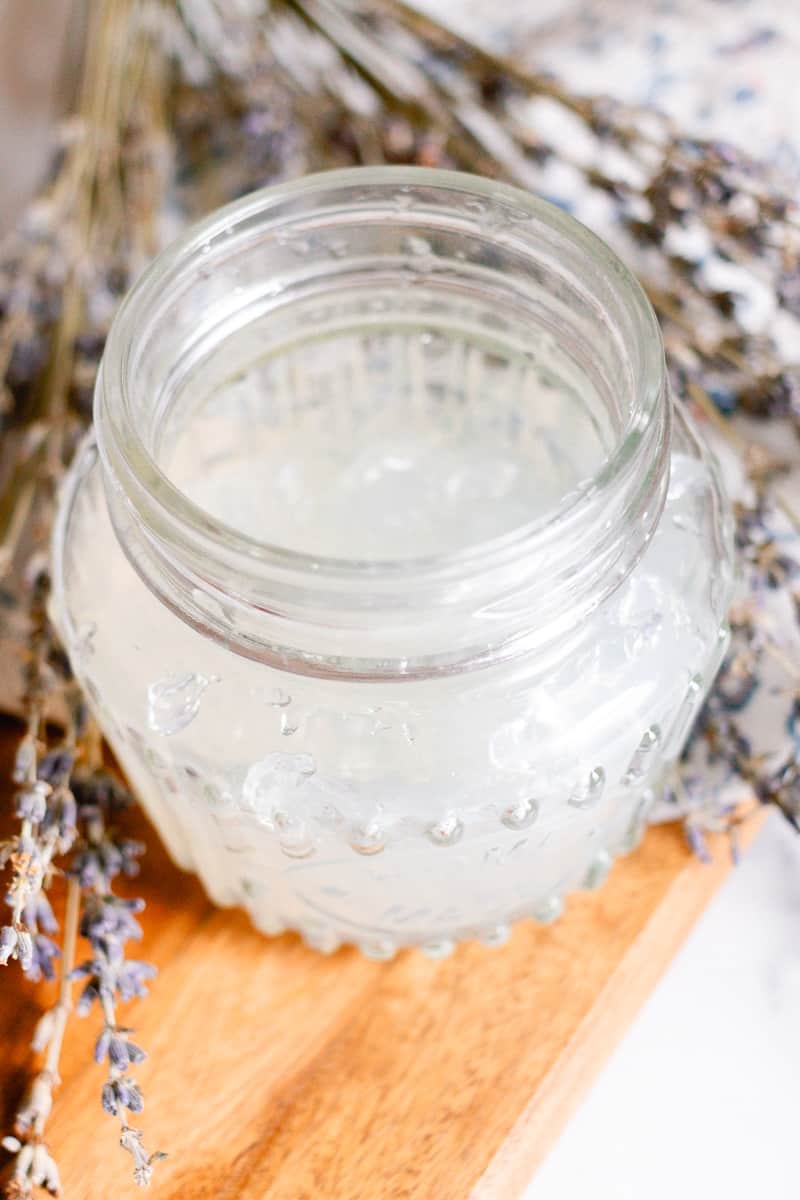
395	575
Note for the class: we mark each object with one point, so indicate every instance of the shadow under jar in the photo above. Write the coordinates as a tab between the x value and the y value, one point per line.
394	576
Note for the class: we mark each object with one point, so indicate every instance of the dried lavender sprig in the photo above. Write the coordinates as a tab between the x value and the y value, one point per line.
109	923
428	96
66	266
757	662
44	804
33	1165
707	223
46	808
61	274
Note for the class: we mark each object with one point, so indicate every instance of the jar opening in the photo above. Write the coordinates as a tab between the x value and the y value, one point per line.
389	435
381	384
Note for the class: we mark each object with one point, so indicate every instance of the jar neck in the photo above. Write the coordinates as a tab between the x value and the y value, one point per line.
518	593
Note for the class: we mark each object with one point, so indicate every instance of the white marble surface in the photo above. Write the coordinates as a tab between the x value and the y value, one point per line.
701	1097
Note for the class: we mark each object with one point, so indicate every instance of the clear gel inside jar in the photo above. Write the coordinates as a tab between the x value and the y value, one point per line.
389	438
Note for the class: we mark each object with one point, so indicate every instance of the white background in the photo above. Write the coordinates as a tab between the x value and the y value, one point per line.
701	1099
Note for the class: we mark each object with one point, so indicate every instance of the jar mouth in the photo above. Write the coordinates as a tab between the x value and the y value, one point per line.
116	411
520	254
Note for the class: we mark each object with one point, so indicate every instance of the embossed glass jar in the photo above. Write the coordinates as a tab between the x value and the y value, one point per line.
394	575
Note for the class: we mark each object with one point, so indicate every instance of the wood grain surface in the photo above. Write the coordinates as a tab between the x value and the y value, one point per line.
276	1073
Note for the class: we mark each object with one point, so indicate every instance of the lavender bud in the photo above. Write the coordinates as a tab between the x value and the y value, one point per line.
31	802
39	914
111	859
85	867
129	1095
45	915
25	950
99	792
118	1054
130	852
86	999
8	943
136	1053
101	1045
56	767
61	815
24	759
45	952
108	922
697	843
131	978
108	1099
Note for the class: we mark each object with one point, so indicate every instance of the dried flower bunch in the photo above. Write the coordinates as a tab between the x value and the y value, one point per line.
187	103
65	804
62	273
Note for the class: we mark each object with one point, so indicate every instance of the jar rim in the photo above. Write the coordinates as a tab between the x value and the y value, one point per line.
122	442
492	599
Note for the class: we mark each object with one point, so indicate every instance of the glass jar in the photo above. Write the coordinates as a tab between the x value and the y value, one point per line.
394	575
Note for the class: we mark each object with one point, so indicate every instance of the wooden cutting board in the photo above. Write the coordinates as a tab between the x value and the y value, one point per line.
276	1073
